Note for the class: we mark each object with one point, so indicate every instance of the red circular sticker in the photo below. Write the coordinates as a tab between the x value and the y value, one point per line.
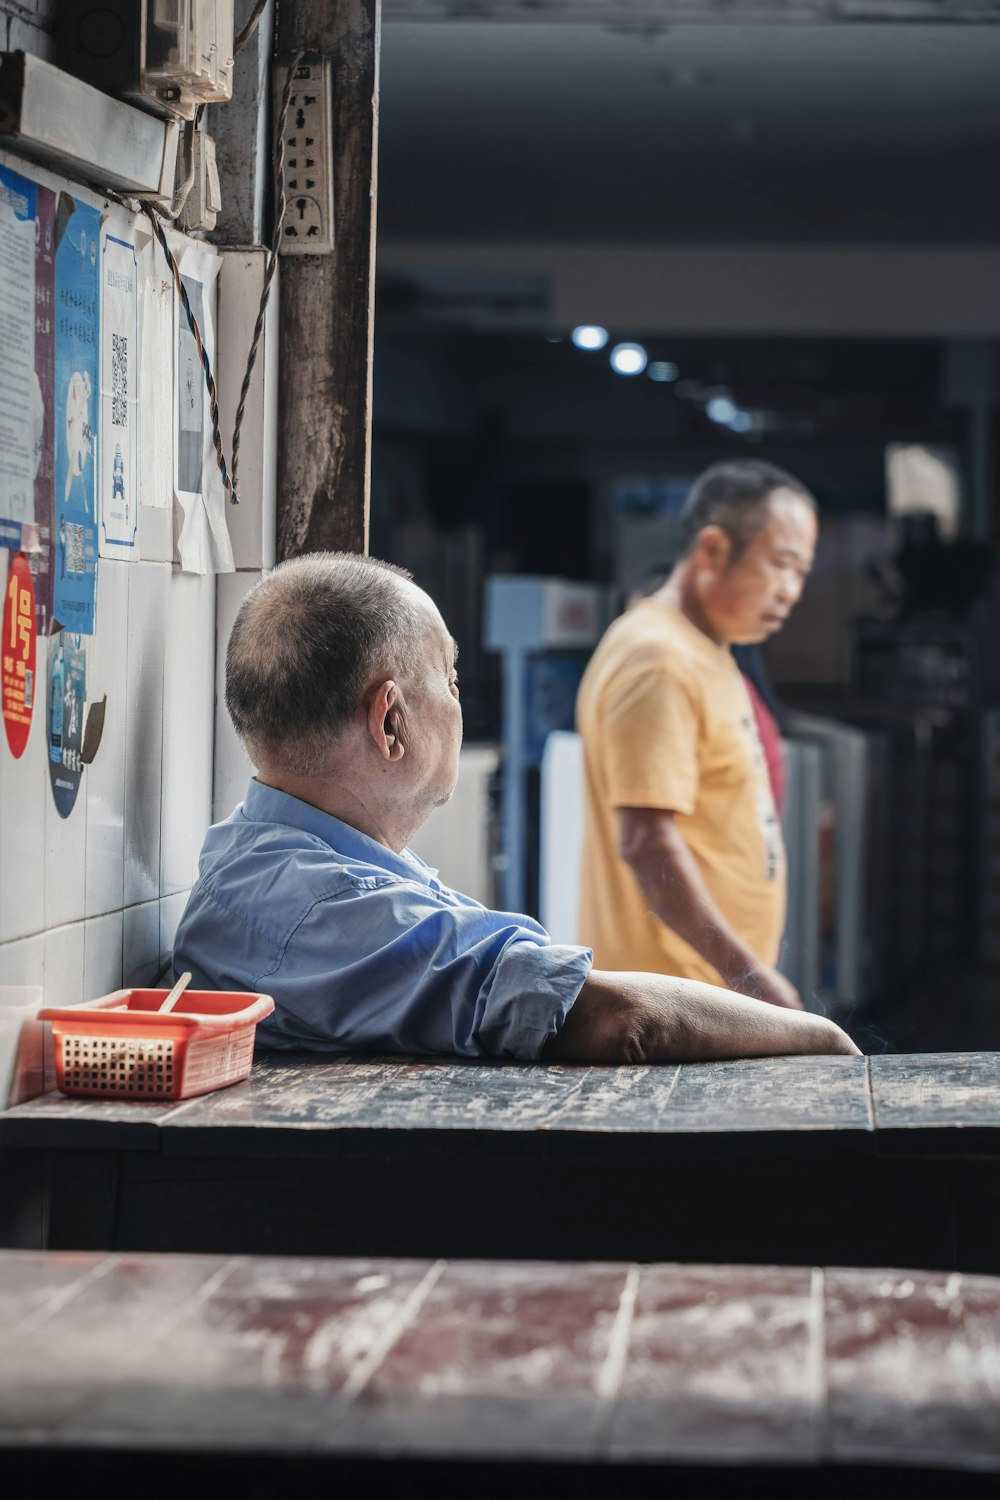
17	654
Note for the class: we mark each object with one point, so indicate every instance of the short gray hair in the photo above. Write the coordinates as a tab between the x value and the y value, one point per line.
309	638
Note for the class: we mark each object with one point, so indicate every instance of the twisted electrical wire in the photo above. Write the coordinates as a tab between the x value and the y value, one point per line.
272	260
242	37
232	483
213	395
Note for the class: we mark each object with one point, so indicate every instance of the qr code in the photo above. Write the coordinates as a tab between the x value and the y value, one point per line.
29	688
119	379
74	548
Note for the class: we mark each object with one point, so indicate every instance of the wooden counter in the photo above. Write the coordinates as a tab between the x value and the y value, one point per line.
892	1160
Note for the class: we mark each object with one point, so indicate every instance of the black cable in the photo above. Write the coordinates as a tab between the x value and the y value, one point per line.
272	260
213	395
242	37
232	484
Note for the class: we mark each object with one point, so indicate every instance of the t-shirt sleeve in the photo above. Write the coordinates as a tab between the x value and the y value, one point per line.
395	967
650	726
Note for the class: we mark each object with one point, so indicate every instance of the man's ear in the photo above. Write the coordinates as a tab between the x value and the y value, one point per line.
385	720
714	549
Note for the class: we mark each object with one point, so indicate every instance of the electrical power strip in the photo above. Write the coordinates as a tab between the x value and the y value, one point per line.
308	223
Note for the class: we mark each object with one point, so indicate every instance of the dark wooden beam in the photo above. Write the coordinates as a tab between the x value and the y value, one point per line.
327	302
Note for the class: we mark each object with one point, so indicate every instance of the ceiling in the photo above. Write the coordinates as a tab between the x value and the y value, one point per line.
801	133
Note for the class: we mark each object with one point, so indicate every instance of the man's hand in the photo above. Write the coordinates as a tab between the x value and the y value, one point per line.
767	984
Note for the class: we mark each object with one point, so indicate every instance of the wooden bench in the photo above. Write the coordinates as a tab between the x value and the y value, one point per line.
159	1375
888	1161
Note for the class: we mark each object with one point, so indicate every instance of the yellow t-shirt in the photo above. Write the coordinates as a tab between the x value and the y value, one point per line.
667	722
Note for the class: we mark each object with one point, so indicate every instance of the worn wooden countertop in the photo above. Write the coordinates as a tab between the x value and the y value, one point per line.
817	1160
661	1364
305	1104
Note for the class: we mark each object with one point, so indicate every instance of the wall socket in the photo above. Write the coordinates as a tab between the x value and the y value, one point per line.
308	223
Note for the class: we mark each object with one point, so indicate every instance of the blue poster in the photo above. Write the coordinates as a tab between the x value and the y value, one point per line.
64	715
78	234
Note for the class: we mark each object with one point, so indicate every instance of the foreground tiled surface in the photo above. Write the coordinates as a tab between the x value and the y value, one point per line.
500	1360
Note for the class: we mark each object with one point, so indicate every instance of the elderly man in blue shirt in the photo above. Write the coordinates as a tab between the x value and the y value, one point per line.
341	682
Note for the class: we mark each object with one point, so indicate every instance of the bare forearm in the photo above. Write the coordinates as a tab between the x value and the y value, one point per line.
675	891
654	1018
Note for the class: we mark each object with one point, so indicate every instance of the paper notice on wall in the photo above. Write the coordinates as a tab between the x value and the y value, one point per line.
156	383
200	530
37	540
118	448
78	231
20	409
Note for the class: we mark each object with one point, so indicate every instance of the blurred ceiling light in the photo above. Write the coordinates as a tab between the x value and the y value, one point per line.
663	370
690	390
720	409
740	421
628	359
589	336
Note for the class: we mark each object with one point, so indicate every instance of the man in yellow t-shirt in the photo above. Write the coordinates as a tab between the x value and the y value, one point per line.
683	864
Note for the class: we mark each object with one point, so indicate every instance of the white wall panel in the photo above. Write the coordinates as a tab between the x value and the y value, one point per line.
23	962
232	768
102	956
64	958
171	911
141	944
104	780
253	523
188	728
148	601
157	403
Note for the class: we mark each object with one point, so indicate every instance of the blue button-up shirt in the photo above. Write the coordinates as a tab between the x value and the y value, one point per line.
363	949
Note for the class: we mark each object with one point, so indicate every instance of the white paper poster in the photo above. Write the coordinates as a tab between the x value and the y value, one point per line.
119	437
201	532
17	360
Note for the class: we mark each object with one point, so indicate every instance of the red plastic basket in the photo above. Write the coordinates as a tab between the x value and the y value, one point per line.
119	1047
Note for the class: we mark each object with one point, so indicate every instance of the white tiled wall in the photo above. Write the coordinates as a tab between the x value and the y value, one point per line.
232	769
92	899
91	902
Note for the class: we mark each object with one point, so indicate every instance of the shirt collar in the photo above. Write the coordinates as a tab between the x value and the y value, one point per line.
266	804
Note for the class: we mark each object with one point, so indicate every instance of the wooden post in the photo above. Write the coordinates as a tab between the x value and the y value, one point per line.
327	302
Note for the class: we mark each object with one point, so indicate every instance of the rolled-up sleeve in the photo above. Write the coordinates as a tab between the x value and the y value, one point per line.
399	967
